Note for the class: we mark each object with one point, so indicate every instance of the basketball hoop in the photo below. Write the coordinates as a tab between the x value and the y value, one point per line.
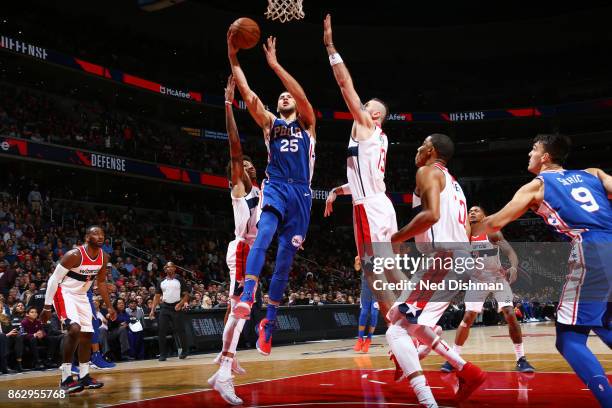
285	10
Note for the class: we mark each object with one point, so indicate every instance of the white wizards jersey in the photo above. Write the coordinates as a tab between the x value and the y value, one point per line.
488	253
245	215
78	280
450	227
365	165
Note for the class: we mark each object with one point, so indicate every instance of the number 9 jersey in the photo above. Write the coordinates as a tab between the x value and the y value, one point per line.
576	205
574	202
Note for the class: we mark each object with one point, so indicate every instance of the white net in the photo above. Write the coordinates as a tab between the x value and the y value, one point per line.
285	10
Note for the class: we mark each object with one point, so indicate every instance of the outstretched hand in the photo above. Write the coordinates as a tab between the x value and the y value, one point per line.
329	204
231	47
229	89
270	52
327	31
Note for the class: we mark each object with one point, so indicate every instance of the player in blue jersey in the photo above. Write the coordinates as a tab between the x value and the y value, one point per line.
575	203
286	197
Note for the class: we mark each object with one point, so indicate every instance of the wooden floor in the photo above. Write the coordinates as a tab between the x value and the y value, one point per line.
489	347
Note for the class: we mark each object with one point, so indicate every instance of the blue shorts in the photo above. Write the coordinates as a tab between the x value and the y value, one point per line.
585	299
291	202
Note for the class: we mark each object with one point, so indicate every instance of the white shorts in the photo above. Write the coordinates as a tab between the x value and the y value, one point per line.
373	220
237	253
474	299
74	307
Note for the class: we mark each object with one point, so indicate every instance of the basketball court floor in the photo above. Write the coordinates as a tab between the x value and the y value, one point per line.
331	374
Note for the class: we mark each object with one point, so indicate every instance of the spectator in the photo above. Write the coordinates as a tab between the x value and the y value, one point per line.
35	336
7	277
103	330
135	333
35	199
10	340
118	330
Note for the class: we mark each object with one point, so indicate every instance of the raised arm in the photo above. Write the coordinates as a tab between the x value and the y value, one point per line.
343	78
527	196
237	166
255	106
605	178
429	184
304	108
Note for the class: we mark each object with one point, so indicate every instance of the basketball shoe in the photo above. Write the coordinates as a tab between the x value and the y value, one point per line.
264	342
470	378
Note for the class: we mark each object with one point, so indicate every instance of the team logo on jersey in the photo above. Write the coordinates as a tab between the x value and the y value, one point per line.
297	240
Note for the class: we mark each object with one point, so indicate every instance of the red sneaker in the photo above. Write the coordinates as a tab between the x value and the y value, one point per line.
264	343
358	345
366	345
399	373
242	310
470	378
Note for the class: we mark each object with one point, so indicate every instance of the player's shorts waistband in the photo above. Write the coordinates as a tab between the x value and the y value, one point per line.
289	181
372	197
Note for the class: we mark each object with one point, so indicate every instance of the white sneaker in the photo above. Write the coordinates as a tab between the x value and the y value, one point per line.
225	388
236	367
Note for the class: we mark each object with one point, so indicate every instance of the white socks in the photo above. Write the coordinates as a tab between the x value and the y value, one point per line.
457	349
423	392
66	371
225	370
449	355
83	369
519	350
403	349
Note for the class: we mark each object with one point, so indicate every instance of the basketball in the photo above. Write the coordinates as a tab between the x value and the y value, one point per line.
246	33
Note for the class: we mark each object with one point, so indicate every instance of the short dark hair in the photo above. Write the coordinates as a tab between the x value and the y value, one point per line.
228	168
556	145
444	146
92	227
30	308
383	103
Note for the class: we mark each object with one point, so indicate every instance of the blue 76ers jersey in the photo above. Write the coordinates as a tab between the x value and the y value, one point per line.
575	202
290	152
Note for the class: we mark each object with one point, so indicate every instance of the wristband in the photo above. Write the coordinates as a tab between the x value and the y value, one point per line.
334	59
228	103
47	307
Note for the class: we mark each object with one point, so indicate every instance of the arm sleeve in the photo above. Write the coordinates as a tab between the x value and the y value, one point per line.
57	276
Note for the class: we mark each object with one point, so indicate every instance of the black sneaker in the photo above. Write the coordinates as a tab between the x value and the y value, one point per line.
183	356
523	366
162	358
446	367
90	383
71	386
